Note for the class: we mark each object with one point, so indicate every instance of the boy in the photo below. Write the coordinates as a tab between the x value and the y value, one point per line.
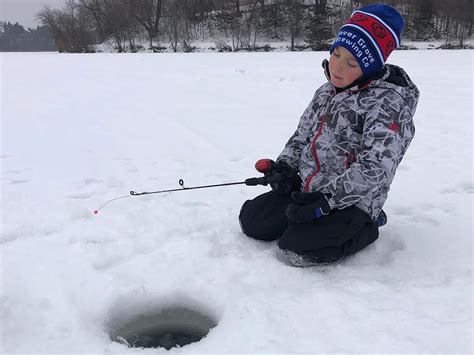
336	169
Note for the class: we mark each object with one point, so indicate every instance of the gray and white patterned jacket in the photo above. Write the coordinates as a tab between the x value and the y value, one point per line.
348	145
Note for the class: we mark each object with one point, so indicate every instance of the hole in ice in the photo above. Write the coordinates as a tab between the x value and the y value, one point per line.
168	328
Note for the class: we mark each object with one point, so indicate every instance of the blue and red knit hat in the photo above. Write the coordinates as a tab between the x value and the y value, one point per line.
371	34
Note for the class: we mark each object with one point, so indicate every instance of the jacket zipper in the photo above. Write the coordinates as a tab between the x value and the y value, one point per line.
315	154
320	131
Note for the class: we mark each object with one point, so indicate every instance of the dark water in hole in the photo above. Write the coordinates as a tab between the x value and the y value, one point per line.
165	339
167	329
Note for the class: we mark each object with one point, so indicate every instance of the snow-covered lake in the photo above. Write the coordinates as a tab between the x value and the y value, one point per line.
78	130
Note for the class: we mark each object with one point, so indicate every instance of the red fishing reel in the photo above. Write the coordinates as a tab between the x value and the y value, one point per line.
265	166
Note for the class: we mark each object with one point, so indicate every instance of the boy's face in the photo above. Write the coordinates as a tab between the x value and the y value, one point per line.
343	67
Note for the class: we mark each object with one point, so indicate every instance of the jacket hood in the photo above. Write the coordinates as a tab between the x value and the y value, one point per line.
390	76
397	79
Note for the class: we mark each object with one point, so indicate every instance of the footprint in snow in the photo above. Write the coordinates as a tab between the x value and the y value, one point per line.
80	195
108	262
468	187
19	181
18	176
18	171
463	187
92	181
87	188
196	204
404	211
449	190
128	166
386	248
8	237
428	208
424	218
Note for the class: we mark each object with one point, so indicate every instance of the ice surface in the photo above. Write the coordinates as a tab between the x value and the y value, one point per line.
78	130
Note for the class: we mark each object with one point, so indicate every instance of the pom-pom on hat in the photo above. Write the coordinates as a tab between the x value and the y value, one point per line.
371	34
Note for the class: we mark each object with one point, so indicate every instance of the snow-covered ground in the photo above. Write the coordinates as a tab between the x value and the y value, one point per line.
78	130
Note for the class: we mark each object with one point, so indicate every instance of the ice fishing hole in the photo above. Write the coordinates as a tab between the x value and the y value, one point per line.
171	327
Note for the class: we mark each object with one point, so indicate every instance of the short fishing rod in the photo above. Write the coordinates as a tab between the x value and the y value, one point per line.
264	181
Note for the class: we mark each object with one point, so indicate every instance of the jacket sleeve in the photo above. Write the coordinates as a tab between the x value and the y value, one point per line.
388	131
291	154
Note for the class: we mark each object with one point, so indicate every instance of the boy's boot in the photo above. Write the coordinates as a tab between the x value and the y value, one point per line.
381	219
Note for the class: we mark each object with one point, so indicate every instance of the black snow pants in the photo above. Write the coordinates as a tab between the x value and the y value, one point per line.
327	239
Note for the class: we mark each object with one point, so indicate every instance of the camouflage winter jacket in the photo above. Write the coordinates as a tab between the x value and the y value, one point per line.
348	145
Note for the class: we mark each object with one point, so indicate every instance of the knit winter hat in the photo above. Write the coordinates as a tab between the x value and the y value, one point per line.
371	34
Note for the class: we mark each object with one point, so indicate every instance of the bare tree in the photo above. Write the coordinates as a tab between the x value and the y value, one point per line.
148	14
51	18
250	27
69	27
177	25
95	10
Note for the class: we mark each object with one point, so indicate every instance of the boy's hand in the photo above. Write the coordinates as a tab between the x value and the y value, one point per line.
289	181
308	206
286	179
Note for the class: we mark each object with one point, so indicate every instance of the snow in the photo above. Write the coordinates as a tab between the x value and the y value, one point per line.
78	130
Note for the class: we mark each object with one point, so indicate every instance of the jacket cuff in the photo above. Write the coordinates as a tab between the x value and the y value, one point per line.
331	202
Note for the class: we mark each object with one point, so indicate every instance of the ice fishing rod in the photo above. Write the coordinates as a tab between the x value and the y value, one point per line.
264	180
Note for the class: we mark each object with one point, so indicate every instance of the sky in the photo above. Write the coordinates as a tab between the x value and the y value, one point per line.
24	11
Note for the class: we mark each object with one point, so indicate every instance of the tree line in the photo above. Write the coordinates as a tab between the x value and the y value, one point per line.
15	38
236	24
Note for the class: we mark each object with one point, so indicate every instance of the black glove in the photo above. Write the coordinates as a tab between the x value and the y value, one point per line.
308	206
289	179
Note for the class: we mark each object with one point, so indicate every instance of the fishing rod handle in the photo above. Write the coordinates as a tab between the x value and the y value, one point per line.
264	180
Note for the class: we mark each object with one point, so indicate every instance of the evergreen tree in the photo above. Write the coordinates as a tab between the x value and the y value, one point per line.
15	38
273	20
295	12
318	28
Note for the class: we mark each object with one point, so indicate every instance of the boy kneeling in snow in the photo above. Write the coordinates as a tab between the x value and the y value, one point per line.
337	168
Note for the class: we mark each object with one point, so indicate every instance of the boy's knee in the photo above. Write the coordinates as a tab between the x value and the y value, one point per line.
253	226
245	219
